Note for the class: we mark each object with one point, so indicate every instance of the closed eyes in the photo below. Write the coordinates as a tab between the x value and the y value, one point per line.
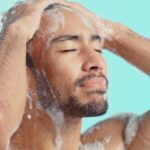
68	50
99	51
72	50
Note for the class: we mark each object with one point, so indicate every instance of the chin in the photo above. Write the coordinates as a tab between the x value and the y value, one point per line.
93	107
93	98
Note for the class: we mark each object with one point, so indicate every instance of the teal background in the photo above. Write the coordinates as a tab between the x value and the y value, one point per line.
129	88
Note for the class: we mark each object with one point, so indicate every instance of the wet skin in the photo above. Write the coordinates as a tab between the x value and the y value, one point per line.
37	129
73	65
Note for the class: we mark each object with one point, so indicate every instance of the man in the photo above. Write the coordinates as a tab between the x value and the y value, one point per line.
65	79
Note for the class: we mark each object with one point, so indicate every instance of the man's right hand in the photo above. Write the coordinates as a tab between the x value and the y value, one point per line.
25	18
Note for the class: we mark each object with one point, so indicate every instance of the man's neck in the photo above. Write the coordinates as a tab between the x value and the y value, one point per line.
48	130
66	137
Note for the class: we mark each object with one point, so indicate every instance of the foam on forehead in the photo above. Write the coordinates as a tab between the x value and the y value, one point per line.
58	17
57	6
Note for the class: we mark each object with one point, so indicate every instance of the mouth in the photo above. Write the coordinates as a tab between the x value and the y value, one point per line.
95	83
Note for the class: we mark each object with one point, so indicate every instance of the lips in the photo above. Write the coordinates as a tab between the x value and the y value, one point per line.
95	82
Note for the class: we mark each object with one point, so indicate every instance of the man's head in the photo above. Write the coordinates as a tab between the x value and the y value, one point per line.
66	50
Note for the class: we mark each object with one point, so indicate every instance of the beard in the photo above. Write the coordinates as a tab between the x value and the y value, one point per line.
94	107
74	108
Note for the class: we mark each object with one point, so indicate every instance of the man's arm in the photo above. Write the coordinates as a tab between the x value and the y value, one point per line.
13	82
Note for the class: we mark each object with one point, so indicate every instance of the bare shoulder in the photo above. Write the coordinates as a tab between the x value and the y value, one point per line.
113	133
142	138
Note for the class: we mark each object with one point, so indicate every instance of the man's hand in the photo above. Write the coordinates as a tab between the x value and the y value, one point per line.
120	40
25	17
110	31
107	29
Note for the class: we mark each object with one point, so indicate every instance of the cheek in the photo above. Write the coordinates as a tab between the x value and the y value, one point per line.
60	71
64	74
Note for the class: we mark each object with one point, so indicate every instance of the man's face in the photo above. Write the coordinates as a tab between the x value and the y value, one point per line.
73	65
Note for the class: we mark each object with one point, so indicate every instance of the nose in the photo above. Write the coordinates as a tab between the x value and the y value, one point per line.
93	62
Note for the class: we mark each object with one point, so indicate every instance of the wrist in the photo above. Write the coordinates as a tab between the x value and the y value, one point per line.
14	37
116	37
13	31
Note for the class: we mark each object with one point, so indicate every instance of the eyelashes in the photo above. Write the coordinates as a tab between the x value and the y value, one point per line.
73	50
68	50
99	51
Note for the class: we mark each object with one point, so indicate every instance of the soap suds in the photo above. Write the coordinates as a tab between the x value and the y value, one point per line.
30	1
105	31
90	130
131	130
132	122
92	146
123	116
58	121
2	18
29	98
58	139
49	103
85	20
106	139
57	19
1	23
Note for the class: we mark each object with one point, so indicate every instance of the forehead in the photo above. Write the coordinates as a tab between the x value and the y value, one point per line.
66	21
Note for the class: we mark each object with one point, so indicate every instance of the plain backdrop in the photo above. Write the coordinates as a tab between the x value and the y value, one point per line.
129	88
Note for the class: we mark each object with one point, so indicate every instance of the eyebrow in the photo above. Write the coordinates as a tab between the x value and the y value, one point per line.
63	38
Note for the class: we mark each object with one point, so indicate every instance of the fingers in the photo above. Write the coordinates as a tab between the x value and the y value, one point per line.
96	21
81	9
87	13
45	3
40	5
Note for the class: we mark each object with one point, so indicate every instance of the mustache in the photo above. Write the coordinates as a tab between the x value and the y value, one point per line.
80	81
